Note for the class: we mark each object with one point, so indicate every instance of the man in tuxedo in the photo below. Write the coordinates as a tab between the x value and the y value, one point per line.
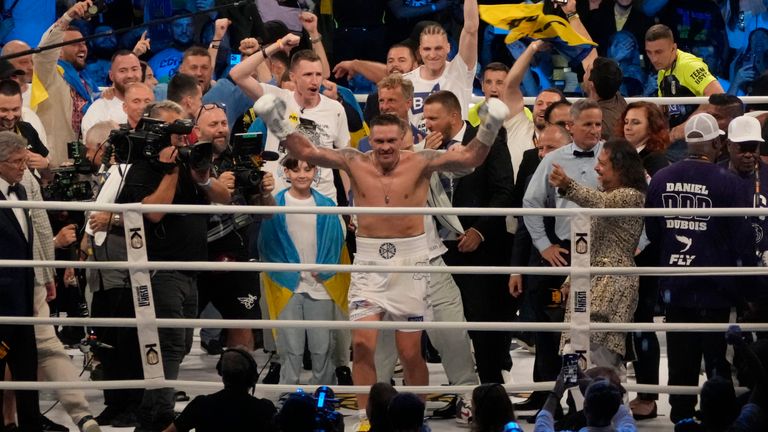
485	297
17	343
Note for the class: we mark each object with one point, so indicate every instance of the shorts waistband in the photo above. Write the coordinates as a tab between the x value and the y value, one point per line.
389	248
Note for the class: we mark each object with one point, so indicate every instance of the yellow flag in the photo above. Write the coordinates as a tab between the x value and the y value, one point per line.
38	94
529	20
326	7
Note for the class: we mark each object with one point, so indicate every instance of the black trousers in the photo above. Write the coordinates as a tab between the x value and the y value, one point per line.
685	350
123	361
486	298
548	362
646	343
21	358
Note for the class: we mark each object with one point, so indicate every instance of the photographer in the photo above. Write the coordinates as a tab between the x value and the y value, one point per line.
233	407
228	233
167	178
603	402
112	296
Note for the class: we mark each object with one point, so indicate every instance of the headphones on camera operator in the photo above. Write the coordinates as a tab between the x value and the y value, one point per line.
251	376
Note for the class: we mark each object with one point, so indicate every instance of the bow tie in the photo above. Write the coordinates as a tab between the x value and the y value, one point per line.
17	189
582	154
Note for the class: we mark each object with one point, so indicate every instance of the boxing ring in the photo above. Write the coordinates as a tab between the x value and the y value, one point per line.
580	272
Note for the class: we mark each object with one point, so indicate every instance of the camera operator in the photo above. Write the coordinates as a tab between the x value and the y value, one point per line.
228	233
233	407
112	296
168	179
111	287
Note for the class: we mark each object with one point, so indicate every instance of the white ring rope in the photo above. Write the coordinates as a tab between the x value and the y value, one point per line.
384	325
354	268
692	100
459	211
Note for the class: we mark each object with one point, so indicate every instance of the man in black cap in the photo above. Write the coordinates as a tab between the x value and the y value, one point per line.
702	241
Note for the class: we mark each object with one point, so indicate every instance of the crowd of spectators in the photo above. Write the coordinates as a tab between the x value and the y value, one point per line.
220	93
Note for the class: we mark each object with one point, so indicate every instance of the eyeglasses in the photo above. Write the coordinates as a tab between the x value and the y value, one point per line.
18	163
210	106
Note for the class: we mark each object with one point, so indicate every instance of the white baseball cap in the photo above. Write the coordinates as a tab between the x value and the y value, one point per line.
745	129
701	127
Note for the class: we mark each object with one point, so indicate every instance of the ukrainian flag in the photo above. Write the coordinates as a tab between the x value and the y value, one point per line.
275	245
529	20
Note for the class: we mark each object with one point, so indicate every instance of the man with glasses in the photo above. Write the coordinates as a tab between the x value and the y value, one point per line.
17	343
228	237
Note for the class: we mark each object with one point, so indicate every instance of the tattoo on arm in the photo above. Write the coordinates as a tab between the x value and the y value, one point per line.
441	161
349	154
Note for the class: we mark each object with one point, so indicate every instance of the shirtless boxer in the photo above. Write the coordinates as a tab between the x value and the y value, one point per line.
387	177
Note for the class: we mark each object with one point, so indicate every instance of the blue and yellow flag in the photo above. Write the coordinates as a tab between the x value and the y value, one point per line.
275	245
529	20
39	92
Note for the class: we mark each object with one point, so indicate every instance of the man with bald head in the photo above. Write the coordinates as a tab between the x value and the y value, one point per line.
228	233
23	63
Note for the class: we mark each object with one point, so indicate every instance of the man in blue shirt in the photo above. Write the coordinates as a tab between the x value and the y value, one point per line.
578	159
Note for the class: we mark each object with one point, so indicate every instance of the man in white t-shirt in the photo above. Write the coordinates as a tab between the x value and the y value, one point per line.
319	118
521	131
437	73
125	70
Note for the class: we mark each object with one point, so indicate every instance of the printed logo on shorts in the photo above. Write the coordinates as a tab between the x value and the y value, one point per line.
387	250
419	318
421	276
249	301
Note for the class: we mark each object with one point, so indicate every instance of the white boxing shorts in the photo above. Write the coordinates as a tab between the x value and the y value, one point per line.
394	296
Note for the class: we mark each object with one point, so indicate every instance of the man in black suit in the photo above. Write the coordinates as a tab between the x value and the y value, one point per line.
551	138
17	343
484	241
